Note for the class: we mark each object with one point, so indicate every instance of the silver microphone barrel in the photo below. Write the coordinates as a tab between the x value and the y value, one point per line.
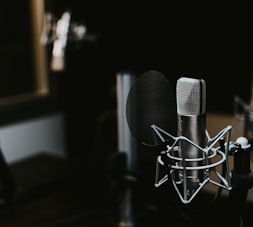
191	104
192	127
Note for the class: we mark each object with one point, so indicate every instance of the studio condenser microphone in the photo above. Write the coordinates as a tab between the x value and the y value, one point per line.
193	158
191	112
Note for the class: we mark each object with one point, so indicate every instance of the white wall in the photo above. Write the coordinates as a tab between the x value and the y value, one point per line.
23	139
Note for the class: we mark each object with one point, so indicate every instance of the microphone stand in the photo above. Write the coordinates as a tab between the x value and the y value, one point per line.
126	218
126	146
242	177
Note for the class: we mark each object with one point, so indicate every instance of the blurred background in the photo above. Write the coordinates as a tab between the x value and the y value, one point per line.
58	116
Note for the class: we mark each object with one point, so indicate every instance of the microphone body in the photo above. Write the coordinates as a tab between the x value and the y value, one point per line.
193	155
191	98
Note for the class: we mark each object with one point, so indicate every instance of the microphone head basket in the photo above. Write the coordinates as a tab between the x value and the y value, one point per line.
179	168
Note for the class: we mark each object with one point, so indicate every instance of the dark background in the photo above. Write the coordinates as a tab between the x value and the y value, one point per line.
213	42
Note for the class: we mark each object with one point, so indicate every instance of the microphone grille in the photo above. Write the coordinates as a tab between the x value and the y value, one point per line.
191	96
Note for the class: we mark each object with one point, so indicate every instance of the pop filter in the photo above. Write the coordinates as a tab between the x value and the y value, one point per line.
151	101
